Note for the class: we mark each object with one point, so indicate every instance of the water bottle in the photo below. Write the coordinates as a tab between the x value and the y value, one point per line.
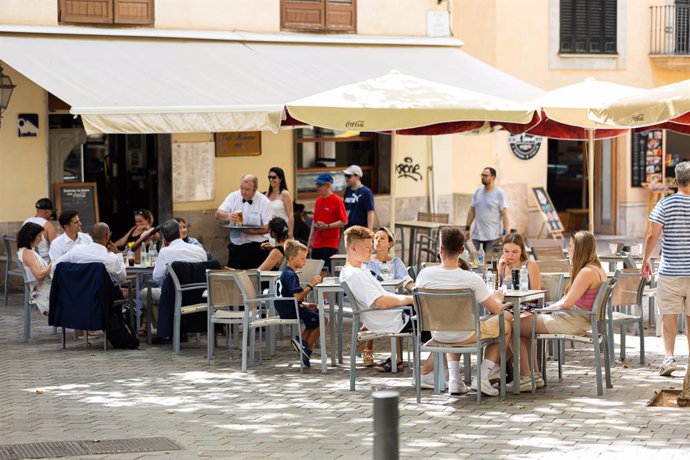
385	272
480	255
130	255
145	261
524	279
153	253
490	279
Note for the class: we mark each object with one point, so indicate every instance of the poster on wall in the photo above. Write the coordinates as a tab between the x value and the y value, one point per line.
647	158
193	171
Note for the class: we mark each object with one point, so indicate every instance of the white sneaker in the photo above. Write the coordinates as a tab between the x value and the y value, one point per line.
495	373
487	389
539	380
526	382
456	387
427	381
669	366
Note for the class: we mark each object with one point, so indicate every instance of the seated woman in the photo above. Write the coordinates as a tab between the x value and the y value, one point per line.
143	221
279	231
586	276
382	262
514	257
184	233
36	268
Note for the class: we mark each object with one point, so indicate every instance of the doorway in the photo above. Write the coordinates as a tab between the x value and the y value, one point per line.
566	182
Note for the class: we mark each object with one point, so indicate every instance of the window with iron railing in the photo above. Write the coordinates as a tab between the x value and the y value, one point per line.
329	16
670	29
588	26
104	12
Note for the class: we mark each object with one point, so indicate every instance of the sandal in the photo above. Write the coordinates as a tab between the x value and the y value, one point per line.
385	366
368	358
142	329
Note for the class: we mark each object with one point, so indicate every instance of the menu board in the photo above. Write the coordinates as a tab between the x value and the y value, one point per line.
647	158
81	197
548	211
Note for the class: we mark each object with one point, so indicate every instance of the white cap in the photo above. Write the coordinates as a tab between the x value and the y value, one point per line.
354	169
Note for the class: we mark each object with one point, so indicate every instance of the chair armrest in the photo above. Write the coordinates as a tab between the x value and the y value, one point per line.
193	286
407	308
571	310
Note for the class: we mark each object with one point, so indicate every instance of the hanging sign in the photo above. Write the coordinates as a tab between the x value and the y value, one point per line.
524	146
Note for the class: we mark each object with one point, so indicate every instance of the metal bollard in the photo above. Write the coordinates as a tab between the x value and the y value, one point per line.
386	419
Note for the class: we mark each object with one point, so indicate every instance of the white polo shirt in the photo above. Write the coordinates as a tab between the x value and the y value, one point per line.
63	244
176	251
258	213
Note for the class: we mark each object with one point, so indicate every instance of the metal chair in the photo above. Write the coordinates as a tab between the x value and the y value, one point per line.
553	284
10	251
453	310
362	336
554	266
27	299
597	337
426	242
627	295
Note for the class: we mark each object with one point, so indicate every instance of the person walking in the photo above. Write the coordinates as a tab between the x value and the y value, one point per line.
359	200
670	221
489	213
329	218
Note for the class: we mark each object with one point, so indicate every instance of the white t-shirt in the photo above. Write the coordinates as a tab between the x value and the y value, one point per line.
63	243
437	277
94	252
43	246
366	290
258	213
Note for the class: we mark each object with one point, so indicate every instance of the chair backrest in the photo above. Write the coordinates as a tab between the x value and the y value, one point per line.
602	298
222	289
547	253
628	289
412	272
354	303
187	273
553	284
20	267
554	266
80	295
312	268
446	309
545	242
10	249
440	218
246	288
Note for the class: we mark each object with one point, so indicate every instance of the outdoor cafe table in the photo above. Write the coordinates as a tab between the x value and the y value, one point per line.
332	288
415	225
516	298
140	273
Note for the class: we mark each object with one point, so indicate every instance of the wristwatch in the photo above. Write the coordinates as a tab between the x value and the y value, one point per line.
467	228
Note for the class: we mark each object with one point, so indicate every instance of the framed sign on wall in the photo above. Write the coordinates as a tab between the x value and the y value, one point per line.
238	144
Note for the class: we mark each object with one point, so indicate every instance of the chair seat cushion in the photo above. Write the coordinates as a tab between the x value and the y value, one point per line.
368	335
272	320
187	309
227	314
576	338
620	316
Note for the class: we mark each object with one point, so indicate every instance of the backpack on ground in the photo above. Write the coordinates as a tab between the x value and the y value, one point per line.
119	334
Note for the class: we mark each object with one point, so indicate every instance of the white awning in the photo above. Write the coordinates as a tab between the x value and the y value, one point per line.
167	85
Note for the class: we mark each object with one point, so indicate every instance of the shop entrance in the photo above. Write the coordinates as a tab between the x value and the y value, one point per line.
124	167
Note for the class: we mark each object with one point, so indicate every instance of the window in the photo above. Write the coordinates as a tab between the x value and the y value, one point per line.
115	12
319	15
588	26
326	151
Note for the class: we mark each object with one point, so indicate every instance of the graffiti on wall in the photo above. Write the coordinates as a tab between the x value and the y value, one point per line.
409	170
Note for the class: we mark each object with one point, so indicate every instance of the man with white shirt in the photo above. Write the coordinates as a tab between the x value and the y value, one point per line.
69	221
44	210
174	250
246	207
99	249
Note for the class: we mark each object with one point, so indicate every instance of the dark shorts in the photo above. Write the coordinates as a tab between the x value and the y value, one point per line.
489	246
310	318
324	254
426	335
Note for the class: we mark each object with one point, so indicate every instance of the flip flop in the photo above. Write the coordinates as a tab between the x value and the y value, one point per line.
385	366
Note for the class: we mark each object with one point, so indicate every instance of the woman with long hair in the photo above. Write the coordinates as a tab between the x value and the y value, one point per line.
36	268
281	200
278	229
143	221
514	257
586	276
184	233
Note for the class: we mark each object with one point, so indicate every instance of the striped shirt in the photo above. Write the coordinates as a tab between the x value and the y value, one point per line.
673	214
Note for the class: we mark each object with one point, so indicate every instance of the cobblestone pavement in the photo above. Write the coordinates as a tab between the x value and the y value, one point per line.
48	394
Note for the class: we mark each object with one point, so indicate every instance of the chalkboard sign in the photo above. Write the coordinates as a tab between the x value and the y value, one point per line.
647	158
548	212
81	197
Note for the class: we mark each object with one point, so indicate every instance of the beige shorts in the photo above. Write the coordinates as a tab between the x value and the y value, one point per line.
562	322
490	329
673	295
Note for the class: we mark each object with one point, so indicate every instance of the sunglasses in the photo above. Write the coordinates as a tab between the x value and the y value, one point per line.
348	176
272	177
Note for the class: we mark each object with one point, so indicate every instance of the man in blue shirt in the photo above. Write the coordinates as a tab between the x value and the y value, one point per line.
359	200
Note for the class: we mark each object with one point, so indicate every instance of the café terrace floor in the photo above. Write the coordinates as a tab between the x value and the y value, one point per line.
80	394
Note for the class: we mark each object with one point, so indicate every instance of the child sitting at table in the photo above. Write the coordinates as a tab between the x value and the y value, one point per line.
288	286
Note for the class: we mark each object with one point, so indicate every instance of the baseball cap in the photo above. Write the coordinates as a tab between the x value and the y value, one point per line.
324	179
44	203
354	169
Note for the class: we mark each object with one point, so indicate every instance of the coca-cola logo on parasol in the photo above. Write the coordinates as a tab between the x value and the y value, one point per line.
524	146
354	124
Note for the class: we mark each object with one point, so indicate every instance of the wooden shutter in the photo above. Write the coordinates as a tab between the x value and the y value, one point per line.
304	15
341	15
86	11
133	12
588	26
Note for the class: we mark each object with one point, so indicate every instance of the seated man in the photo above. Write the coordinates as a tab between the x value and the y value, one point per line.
369	292
70	223
449	275
98	249
174	250
288	286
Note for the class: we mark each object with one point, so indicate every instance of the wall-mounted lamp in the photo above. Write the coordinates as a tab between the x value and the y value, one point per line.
6	88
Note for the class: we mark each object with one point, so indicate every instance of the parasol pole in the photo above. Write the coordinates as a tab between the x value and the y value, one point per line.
394	142
590	175
431	182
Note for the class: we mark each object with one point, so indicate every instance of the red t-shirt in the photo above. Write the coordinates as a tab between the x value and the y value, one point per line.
328	210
